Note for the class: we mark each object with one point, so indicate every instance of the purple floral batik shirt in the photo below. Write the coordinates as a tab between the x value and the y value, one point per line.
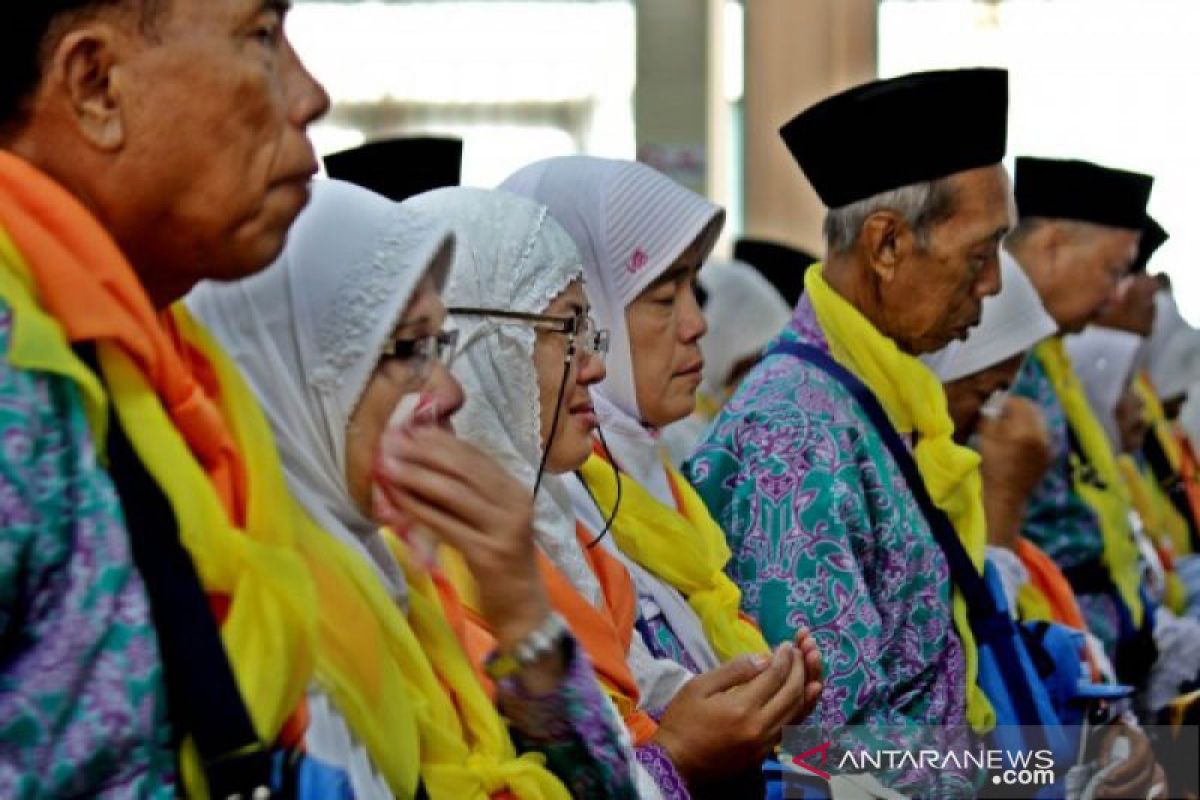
825	534
83	708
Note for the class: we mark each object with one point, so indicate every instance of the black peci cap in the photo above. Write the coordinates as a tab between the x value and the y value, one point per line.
887	134
400	168
1081	191
1154	236
783	266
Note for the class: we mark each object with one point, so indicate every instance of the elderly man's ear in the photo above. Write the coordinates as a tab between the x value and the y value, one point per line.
886	241
86	68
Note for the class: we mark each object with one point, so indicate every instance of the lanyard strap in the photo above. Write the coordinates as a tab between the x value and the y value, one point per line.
201	689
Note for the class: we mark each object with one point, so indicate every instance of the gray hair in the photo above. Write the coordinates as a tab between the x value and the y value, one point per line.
922	205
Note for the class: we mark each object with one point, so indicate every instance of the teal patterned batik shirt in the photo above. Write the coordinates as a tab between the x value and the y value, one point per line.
825	534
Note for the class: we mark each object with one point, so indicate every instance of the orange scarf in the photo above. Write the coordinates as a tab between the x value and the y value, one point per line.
85	282
604	633
1045	575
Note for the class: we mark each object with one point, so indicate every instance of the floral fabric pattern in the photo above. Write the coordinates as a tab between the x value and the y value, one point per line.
576	730
825	534
657	763
82	700
659	637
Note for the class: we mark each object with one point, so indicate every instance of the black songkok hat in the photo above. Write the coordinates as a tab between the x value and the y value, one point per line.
1153	237
1081	191
783	266
887	134
400	168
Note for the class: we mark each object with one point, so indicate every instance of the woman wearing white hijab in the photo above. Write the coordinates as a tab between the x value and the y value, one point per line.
517	294
343	326
643	239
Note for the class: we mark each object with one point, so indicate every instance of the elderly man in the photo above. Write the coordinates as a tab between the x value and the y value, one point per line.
158	585
1078	234
144	146
1135	311
825	530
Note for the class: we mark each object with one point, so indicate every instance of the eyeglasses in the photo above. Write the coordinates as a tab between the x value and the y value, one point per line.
420	352
582	329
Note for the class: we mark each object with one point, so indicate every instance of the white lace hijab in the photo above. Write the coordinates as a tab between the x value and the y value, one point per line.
307	334
631	223
510	256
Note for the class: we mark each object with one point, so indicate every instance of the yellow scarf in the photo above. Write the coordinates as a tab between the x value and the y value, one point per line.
1032	604
1152	412
293	587
914	401
1110	504
1174	523
1160	520
687	550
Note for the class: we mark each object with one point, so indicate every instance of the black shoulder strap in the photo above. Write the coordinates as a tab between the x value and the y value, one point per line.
1171	484
1085	470
989	624
202	692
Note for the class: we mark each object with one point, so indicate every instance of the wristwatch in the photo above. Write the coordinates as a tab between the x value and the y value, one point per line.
539	642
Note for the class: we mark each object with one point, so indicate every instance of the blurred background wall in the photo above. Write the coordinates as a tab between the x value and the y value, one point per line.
699	88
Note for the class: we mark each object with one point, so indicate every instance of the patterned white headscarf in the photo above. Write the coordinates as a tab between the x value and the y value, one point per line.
630	223
512	256
307	334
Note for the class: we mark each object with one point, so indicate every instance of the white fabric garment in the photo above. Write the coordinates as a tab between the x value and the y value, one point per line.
1012	322
307	334
631	224
1176	367
1189	417
744	313
1167	321
1012	571
328	739
1104	360
656	597
1178	643
512	256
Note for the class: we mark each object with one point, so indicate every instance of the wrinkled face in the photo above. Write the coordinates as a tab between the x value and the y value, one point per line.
935	294
665	324
1131	421
966	396
1132	306
211	162
1081	270
392	379
572	442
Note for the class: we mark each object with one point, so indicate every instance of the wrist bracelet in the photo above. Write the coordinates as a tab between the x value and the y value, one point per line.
538	643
